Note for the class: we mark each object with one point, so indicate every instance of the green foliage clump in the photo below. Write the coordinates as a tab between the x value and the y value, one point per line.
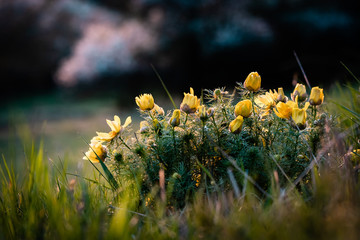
199	143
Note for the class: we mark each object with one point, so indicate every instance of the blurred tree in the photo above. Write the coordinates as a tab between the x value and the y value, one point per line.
215	41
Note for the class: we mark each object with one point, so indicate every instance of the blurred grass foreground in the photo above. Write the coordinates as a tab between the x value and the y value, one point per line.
239	163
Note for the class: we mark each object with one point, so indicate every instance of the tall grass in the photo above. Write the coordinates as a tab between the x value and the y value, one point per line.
46	205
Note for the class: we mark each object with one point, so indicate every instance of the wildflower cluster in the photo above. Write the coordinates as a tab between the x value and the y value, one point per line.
197	146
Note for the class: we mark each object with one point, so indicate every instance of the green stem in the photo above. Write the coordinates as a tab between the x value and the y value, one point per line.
238	140
276	131
203	142
123	142
203	130
186	118
173	135
253	108
151	116
216	128
226	117
296	143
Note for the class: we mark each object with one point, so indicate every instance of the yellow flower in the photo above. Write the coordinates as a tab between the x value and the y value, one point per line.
281	96
299	116
266	102
236	125
243	108
145	101
316	96
157	109
95	140
190	102
253	82
203	113
273	94
300	91
144	126
283	110
95	152
293	104
116	128
175	119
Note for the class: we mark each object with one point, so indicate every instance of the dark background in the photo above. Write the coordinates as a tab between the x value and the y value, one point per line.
89	48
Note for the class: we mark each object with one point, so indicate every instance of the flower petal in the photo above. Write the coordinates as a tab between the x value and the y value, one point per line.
117	119
111	125
127	122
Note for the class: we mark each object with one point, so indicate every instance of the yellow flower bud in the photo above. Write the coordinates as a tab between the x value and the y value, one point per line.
190	102
300	156
210	112
176	175
243	108
217	93
175	119
316	96
281	96
145	102
253	82
95	152
236	125
283	110
300	91
157	109
144	126
157	126
202	113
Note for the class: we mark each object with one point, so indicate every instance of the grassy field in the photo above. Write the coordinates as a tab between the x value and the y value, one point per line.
191	180
61	122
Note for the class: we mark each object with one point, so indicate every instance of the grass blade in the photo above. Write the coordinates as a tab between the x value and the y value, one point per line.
302	70
163	84
207	173
88	179
234	183
350	72
110	178
355	114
